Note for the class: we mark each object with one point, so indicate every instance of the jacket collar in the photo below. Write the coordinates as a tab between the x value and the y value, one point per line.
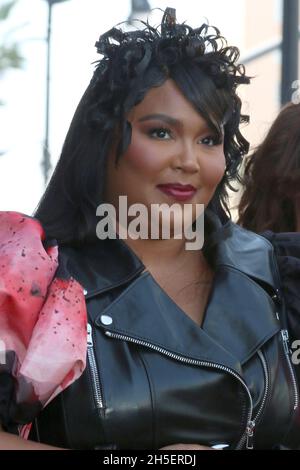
230	245
100	266
160	324
242	261
107	264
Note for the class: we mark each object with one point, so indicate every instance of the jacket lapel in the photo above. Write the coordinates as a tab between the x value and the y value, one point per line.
146	313
101	266
238	302
240	315
233	246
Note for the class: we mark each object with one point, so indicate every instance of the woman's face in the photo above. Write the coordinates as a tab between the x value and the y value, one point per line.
171	145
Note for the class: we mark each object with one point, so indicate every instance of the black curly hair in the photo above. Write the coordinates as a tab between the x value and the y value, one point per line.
204	68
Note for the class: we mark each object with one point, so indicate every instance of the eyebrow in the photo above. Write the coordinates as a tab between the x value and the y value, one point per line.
166	118
162	117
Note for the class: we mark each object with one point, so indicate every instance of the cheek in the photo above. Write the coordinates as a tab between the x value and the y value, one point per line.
142	157
212	171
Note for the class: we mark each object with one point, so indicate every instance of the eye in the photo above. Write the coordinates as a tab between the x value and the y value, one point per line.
160	133
211	140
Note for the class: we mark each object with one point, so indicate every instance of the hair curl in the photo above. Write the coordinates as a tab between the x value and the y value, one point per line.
204	68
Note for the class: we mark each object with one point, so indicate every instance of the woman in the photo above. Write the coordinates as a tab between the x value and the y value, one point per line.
270	202
186	349
271	192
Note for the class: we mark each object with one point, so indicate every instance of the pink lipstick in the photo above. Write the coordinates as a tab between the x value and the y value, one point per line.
181	192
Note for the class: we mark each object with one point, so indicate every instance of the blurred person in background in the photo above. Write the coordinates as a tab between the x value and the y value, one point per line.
270	203
271	179
141	343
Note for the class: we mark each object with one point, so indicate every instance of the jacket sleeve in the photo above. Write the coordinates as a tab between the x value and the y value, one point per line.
287	251
42	323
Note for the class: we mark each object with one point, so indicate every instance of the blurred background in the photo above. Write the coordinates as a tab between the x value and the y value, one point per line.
46	54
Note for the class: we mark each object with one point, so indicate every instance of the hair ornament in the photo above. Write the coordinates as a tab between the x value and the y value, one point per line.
168	22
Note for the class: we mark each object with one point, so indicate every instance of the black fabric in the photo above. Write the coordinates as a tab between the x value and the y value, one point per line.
164	377
245	266
11	413
6	399
287	250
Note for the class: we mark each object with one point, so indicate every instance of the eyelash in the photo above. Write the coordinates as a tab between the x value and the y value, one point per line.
159	129
216	140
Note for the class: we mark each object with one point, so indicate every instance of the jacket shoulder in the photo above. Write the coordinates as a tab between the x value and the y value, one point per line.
245	251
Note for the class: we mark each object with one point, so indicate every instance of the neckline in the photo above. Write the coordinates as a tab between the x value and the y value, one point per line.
180	309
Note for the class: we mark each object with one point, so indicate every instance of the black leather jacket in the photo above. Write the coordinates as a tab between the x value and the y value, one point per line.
154	377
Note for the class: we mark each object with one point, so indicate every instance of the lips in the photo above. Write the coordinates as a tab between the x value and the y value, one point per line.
181	192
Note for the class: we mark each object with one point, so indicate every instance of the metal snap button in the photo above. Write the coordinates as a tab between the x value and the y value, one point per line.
106	320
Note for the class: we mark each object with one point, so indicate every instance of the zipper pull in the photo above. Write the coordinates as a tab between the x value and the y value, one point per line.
285	340
276	296
250	432
89	336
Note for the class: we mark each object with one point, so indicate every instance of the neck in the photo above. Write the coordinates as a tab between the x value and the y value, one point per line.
159	252
169	261
165	256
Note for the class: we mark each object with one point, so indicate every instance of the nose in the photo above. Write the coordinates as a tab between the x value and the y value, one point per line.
187	159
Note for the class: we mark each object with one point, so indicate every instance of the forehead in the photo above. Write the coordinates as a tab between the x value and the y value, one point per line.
167	99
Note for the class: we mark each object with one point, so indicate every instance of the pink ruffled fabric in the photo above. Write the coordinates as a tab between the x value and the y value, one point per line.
42	317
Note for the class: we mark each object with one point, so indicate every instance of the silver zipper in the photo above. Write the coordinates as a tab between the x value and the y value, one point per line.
285	342
267	384
249	434
94	370
194	362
